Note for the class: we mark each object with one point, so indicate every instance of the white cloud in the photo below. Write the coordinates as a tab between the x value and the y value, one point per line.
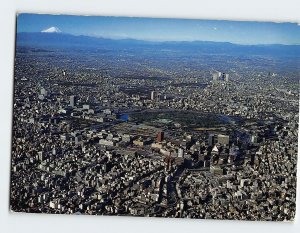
51	30
214	28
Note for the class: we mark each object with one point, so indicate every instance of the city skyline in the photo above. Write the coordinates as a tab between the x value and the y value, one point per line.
159	29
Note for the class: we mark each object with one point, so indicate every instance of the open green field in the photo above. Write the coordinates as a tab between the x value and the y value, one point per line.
187	119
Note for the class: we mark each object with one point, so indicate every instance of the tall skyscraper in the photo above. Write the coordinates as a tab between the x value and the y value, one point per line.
180	152
153	95
160	136
226	77
72	100
211	139
254	139
215	76
219	76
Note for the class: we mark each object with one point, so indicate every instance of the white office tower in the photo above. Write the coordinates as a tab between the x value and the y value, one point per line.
227	77
180	153
153	95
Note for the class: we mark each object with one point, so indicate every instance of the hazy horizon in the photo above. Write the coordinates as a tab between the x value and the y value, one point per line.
163	30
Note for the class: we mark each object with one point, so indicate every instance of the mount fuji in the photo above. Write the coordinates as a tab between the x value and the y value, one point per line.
51	30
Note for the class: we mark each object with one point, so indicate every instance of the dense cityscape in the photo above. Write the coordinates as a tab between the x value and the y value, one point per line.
157	134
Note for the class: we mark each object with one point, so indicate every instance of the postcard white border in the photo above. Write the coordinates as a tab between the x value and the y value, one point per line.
253	10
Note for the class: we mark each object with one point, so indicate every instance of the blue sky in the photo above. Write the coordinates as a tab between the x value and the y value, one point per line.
156	29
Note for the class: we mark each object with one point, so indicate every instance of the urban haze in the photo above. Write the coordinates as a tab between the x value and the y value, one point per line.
176	129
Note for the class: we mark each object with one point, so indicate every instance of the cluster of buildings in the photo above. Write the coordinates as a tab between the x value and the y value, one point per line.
218	76
73	153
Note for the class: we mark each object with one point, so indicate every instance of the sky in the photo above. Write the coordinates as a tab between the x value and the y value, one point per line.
158	29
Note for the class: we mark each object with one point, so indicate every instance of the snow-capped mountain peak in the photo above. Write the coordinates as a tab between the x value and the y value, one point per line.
52	30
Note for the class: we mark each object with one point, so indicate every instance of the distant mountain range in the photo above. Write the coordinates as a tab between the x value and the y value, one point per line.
67	41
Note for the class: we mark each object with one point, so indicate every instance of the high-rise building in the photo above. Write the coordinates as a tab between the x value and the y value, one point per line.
153	95
219	76
160	136
226	77
72	100
215	76
254	139
180	153
222	77
78	139
211	139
